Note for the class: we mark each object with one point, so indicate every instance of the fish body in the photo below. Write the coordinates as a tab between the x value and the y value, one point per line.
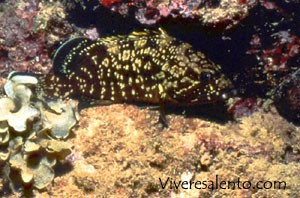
149	67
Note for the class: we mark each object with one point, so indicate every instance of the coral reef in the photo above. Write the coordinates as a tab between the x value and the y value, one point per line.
118	150
31	134
239	107
220	14
263	43
273	50
275	63
120	153
30	31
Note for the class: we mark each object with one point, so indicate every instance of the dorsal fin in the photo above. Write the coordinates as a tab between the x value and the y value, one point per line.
64	56
134	35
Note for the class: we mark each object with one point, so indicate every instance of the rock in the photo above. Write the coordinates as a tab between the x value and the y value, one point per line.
287	97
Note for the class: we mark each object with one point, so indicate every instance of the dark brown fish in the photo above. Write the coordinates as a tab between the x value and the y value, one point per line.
150	67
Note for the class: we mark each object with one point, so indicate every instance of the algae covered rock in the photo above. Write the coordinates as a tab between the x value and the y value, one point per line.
32	133
287	98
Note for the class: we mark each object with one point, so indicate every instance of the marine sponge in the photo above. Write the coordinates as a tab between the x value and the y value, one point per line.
32	133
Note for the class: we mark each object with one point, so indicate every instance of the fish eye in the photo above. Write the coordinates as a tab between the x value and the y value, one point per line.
205	77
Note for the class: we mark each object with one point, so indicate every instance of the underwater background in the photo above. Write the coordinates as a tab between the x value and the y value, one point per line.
119	150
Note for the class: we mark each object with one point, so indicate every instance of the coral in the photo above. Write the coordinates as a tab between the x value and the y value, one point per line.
276	60
32	139
240	107
120	153
273	51
222	14
29	33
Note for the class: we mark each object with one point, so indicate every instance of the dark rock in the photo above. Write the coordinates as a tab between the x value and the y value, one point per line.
287	98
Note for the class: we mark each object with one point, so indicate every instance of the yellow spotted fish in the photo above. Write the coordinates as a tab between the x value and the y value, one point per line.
149	67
